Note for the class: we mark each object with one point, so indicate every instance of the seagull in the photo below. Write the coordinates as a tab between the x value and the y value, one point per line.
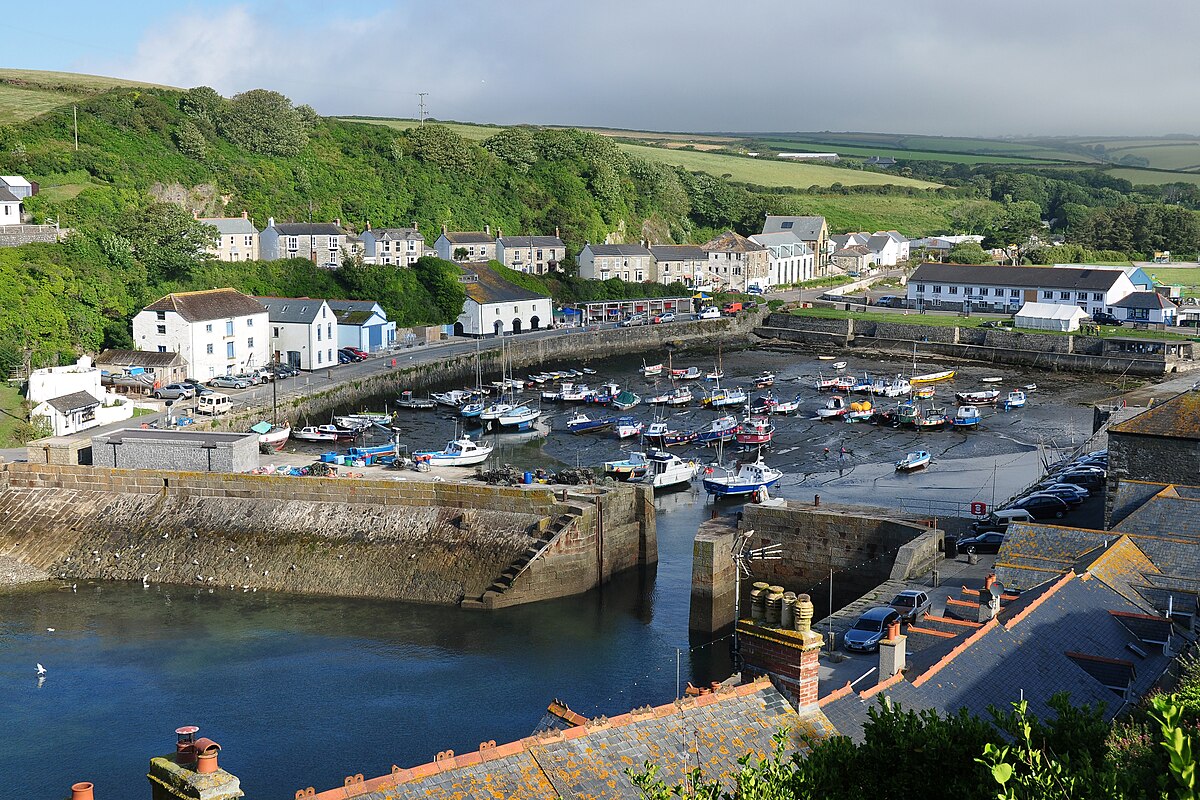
50	630
41	670
73	586
146	580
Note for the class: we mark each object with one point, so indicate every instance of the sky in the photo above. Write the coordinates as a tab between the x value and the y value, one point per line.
948	67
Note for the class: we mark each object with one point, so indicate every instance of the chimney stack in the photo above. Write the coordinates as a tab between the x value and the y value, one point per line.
245	214
892	652
190	772
557	235
81	791
487	229
414	226
989	598
368	224
337	221
444	231
499	233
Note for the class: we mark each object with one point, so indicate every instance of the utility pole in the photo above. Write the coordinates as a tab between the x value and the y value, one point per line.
75	122
421	104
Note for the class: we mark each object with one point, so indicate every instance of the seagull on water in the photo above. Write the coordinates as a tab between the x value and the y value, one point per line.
50	630
41	670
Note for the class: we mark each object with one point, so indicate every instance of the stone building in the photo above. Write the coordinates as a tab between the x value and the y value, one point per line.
399	246
629	262
1160	445
321	242
477	245
735	263
189	451
237	238
684	263
534	254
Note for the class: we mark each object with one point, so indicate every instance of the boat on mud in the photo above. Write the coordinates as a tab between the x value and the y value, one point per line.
633	468
628	427
967	417
722	429
668	469
663	435
1014	399
754	430
746	480
582	423
932	377
913	461
985	397
625	400
834	407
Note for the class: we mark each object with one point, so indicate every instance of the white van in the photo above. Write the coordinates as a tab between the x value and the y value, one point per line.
213	404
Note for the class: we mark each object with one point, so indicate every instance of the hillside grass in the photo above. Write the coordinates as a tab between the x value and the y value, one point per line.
26	93
1152	177
769	172
1014	148
467	130
915	216
13	425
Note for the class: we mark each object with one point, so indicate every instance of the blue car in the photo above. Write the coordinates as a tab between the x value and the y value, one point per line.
870	629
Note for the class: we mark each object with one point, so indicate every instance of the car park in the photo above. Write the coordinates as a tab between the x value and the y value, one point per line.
865	635
174	391
230	382
999	521
199	388
709	312
1071	496
1085	478
349	353
912	605
1043	506
360	353
667	316
983	543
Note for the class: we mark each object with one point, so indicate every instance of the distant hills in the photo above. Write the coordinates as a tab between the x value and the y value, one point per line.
25	93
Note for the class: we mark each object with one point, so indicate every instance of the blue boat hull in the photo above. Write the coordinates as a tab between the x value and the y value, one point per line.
589	427
723	490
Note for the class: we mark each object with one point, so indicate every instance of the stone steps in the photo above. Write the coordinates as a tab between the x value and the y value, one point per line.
504	581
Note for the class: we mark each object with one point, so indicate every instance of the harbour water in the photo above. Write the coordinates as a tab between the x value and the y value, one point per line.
304	691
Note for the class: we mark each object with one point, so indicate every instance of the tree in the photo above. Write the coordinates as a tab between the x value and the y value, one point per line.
1018	221
514	146
968	252
437	144
263	121
441	279
202	103
167	241
190	140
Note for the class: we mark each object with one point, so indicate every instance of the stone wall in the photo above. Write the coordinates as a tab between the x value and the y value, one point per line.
438	542
17	235
713	576
209	451
1153	459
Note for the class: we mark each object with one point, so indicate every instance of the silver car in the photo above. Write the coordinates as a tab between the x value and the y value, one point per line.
174	391
229	382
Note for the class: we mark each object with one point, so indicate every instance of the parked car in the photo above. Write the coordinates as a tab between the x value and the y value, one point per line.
912	605
998	521
891	301
709	312
633	320
253	377
1070	495
230	382
1050	483
1087	478
983	543
264	374
283	370
732	307
174	391
870	629
1043	506
755	289
349	353
666	316
199	388
357	352
344	358
1104	318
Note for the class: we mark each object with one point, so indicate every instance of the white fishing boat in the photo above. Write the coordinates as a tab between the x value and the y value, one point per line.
520	418
719	398
494	411
694	374
932	377
834	407
651	370
898	387
845	383
633	468
967	417
452	399
748	479
991	380
364	419
311	433
680	397
859	412
1014	399
826	384
628	427
839	365
572	393
786	407
668	469
272	436
913	461
659	399
463	452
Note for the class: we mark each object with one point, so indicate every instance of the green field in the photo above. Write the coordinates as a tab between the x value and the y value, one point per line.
27	93
12	416
1174	154
916	216
1152	177
768	172
464	129
1187	277
1013	148
860	151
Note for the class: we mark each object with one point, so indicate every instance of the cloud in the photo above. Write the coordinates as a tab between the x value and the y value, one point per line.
926	66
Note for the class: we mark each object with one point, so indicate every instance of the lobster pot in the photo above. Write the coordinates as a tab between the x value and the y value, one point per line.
774	604
758	601
787	616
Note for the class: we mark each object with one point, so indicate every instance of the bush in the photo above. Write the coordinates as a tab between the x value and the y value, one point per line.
262	121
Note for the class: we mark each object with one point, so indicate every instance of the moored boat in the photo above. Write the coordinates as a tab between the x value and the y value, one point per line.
680	397
913	461
754	430
764	380
859	412
748	479
582	423
452	399
625	400
693	374
520	418
1014	399
494	411
826	384
668	469
967	417
834	407
839	365
719	398
633	468
932	377
934	419
664	436
272	437
981	398
311	433
786	406
408	400
628	427
342	433
650	370
763	404
924	392
722	429
462	452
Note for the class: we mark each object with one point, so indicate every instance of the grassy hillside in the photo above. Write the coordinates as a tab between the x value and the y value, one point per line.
466	130
770	172
915	216
1012	148
26	93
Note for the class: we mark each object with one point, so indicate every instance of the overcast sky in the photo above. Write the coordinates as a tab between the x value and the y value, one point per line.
959	67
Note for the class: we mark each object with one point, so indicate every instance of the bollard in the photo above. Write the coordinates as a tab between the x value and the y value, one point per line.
817	501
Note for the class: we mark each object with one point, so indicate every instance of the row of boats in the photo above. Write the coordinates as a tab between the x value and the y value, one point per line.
664	470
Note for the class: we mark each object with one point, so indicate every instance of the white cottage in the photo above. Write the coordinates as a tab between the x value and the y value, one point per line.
495	307
303	332
218	331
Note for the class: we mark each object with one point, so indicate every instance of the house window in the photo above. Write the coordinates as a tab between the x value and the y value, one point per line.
229	328
329	330
249	241
208	328
640	276
250	342
1098	297
1081	295
162	329
333	243
249	322
983	291
319	356
1047	295
937	289
208	349
275	331
1064	295
162	348
318	333
953	290
293	243
920	287
516	309
1014	293
229	349
161	315
786	225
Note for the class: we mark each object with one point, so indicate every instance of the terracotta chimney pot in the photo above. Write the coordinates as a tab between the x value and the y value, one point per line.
81	791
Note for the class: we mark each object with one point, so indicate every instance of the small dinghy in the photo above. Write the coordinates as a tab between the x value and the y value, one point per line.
991	380
628	427
932	377
1030	387
651	370
983	398
1015	399
633	468
839	365
408	400
913	461
967	417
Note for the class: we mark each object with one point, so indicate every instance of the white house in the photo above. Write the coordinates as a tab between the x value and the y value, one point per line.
1050	317
629	262
10	208
18	186
1002	288
362	324
71	398
903	246
303	332
791	260
400	246
478	245
218	331
887	248
495	307
535	254
1150	307
237	238
813	231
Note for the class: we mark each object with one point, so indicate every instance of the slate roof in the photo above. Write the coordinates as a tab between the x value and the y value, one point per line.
1085	278
309	229
1177	418
138	358
8	197
678	252
589	761
208	304
878	241
286	310
531	241
618	249
808	228
469	237
75	401
731	242
489	287
1145	300
895	236
231	226
1060	641
1130	496
853	250
392	234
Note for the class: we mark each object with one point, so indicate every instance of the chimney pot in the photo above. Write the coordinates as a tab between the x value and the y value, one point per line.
81	791
206	755
185	745
758	601
894	630
804	614
368	224
892	652
557	235
415	227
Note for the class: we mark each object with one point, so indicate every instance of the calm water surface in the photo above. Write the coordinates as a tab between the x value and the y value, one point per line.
302	691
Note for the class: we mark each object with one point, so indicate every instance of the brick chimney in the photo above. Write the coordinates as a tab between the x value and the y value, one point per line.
556	234
989	599
499	233
245	214
788	657
190	772
415	227
892	652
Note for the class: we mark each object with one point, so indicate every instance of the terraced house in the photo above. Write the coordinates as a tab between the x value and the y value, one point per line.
320	242
534	254
679	262
629	262
736	263
466	245
237	238
400	246
218	331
